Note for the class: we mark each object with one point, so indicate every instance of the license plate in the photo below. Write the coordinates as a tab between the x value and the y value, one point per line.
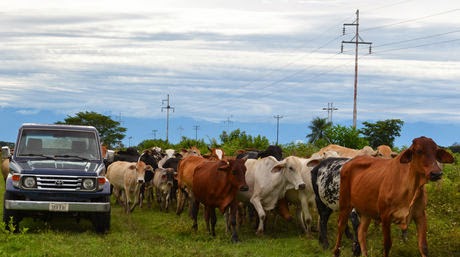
60	207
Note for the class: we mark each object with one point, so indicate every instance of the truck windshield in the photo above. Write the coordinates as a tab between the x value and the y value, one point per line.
58	144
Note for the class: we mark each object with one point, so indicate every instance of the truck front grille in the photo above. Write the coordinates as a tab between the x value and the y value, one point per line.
59	183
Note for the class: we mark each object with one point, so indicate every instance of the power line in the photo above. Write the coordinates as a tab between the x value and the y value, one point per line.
411	20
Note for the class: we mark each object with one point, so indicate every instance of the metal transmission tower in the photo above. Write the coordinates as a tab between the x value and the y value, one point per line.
330	108
357	41
167	107
277	117
196	128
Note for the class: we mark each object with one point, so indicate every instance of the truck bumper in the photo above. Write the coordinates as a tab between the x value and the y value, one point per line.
21	205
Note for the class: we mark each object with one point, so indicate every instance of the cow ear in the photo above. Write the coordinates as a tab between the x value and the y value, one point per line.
148	167
443	156
406	156
313	163
278	167
132	166
223	165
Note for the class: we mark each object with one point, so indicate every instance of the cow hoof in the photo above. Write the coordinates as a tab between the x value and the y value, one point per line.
356	249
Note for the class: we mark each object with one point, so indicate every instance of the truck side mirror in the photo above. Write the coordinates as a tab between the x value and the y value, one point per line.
110	156
6	153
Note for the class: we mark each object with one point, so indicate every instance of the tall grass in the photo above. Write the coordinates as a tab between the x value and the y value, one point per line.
149	232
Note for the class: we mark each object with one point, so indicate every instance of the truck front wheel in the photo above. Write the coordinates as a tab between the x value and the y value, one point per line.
101	222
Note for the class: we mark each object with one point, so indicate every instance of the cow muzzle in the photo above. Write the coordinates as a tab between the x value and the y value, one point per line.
435	176
301	186
244	188
140	181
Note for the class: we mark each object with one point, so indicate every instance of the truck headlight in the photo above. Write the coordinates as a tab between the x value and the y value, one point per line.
88	184
29	182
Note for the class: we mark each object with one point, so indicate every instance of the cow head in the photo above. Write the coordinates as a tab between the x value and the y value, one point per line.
424	155
237	172
291	167
141	168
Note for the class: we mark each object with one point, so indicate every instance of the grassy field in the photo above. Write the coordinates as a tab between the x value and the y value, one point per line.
149	232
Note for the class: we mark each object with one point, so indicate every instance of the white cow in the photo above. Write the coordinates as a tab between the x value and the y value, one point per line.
127	178
268	181
305	199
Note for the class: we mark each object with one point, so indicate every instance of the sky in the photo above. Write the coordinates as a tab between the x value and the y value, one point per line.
229	65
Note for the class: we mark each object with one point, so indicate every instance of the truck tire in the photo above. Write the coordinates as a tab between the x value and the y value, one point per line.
101	222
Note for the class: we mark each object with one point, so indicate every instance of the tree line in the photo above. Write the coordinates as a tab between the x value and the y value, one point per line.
322	133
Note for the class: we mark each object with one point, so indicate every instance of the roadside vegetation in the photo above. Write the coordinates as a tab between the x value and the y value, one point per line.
150	232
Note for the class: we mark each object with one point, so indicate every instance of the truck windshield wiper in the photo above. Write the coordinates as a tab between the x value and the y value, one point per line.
39	155
72	156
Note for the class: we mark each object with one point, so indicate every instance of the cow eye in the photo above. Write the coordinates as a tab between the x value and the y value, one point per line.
234	172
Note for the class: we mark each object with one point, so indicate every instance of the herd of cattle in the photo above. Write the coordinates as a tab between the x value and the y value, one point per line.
361	185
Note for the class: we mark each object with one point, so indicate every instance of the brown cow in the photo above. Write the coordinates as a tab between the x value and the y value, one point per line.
6	154
347	152
185	171
385	151
215	184
390	190
127	177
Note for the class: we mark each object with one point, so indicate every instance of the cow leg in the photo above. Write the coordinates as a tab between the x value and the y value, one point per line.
342	223
262	215
207	216
362	234
386	229
181	196
167	199
354	217
324	214
195	208
233	223
305	215
212	213
420	222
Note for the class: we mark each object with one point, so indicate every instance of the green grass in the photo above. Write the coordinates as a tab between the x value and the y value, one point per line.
149	232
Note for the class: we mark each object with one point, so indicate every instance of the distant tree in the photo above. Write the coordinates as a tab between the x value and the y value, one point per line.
110	131
317	136
382	132
455	148
345	136
149	143
240	140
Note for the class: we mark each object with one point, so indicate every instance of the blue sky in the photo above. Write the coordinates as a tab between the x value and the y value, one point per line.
238	61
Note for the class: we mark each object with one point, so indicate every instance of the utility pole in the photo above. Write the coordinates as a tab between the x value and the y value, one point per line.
228	122
357	41
196	127
277	117
167	107
330	108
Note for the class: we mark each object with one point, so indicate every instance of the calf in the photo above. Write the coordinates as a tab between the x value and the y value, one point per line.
162	184
126	179
390	190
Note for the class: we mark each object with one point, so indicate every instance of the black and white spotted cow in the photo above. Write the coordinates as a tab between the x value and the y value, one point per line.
326	184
